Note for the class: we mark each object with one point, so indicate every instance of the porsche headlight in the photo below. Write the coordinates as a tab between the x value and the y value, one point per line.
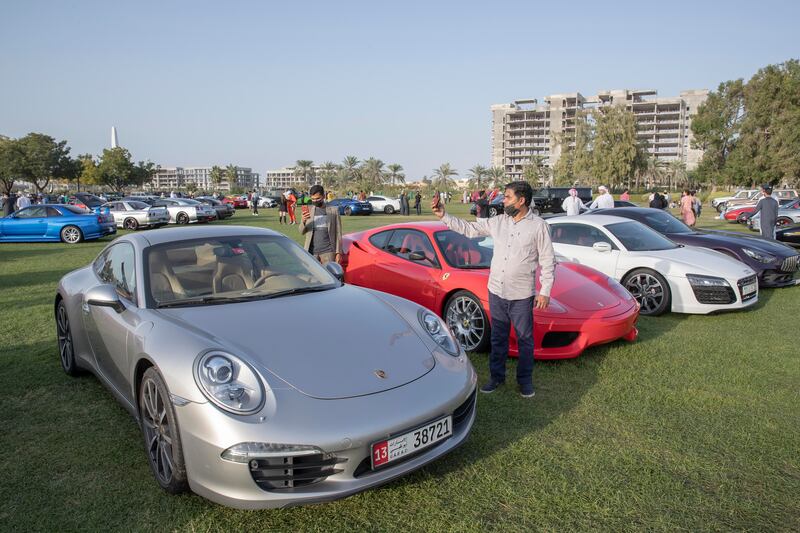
229	382
761	257
438	331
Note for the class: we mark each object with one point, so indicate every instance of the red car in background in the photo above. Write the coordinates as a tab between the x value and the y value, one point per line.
448	273
738	214
238	202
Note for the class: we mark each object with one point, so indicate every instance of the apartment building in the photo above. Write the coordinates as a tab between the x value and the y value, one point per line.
283	178
526	128
176	178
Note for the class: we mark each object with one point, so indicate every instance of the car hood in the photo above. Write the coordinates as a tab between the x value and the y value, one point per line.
710	238
329	345
693	260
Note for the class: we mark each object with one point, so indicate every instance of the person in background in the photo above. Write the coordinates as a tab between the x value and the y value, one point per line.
23	201
657	201
604	200
291	201
687	210
282	209
625	196
768	207
254	202
403	203
482	205
418	203
322	227
697	205
572	204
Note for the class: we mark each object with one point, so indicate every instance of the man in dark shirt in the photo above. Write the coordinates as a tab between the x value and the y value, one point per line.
768	207
322	227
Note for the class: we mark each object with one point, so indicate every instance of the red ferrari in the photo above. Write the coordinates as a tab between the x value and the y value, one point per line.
237	202
738	214
448	273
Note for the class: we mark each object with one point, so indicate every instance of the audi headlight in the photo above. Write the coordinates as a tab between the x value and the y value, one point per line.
229	382
696	280
438	331
761	257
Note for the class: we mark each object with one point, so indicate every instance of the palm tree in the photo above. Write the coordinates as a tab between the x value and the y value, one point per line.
476	175
304	170
442	178
327	173
231	176
348	170
396	174
496	176
677	171
372	173
216	176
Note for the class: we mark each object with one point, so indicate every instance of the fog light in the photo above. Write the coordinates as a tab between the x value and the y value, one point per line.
244	452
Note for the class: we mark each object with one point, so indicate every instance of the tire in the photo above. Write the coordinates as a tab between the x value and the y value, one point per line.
650	289
182	218
783	221
66	348
492	212
388	209
348	211
71	234
131	224
161	436
742	218
467	320
720	207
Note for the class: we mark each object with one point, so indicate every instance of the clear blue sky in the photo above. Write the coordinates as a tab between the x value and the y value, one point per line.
263	84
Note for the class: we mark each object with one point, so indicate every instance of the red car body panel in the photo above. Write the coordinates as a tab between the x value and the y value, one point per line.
585	309
237	202
733	214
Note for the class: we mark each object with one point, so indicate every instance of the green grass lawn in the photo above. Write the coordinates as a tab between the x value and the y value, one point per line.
696	426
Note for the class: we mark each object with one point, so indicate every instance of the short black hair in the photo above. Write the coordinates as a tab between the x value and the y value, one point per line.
522	188
316	189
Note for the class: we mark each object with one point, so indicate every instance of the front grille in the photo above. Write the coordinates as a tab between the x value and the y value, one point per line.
791	264
747	281
287	472
558	339
714	295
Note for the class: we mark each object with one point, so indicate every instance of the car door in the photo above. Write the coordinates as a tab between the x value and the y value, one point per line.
396	273
576	241
107	329
27	223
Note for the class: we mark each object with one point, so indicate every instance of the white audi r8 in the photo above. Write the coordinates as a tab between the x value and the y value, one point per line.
661	274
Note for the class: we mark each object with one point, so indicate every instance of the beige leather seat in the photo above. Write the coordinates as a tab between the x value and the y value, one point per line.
233	273
164	284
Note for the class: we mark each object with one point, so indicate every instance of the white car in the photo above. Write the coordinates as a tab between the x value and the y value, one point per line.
266	202
719	203
186	210
659	273
384	204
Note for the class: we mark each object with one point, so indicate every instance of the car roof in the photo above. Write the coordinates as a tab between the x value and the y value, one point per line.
166	235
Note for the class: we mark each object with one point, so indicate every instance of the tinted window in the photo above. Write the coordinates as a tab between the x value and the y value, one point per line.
404	242
379	239
138	205
637	237
53	212
32	212
117	267
578	235
374	199
665	223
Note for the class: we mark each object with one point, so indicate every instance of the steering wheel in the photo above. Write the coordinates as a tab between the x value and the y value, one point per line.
263	279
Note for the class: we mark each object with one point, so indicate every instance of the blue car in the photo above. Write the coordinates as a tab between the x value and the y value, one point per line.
351	207
53	223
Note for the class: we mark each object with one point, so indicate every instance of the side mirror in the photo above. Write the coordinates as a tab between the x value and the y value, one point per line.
105	296
417	256
336	270
603	247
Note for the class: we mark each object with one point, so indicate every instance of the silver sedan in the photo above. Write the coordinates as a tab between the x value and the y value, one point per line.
132	215
355	388
186	210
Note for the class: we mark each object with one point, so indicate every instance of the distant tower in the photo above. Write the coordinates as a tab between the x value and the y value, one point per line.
114	140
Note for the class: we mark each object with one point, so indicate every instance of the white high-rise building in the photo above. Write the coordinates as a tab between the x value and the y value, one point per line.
175	178
114	139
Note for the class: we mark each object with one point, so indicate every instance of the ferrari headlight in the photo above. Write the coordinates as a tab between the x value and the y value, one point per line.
761	257
229	382
438	331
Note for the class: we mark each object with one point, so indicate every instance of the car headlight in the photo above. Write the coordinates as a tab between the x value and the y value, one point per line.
229	382
696	280
245	451
761	257
438	331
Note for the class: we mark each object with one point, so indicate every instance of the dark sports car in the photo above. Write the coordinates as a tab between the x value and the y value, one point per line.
789	234
348	207
774	263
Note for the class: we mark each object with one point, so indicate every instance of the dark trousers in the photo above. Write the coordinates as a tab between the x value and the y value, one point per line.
418	207
505	314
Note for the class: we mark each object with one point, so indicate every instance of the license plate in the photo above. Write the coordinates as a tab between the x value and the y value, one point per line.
390	450
748	289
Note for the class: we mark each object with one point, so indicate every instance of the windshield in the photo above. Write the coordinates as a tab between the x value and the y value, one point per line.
138	205
220	270
636	237
461	252
665	223
187	201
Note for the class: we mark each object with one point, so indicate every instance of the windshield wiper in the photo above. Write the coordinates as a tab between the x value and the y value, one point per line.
298	290
217	300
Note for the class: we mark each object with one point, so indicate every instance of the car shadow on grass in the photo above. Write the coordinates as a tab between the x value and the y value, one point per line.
29	279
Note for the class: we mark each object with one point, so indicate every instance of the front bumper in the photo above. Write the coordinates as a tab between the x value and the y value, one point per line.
344	428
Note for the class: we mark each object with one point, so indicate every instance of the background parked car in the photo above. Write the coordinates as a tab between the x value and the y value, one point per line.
384	204
788	214
185	210
223	210
144	198
133	215
351	207
267	202
55	222
86	200
720	203
238	202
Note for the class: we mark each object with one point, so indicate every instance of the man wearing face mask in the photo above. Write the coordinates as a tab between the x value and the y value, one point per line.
322	227
521	246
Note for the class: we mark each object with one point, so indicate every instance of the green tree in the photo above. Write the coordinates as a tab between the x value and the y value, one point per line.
11	163
327	173
536	172
217	175
116	170
44	160
614	147
575	163
304	171
497	176
442	179
349	171
372	174
395	174
476	175
232	176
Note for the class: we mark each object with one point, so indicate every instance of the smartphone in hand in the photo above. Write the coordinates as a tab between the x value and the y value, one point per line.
304	208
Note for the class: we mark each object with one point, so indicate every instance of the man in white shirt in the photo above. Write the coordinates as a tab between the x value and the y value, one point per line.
23	201
572	204
604	201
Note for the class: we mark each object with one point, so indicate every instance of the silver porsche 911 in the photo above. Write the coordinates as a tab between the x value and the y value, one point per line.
355	387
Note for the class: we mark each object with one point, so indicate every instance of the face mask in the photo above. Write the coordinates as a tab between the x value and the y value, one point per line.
510	210
319	203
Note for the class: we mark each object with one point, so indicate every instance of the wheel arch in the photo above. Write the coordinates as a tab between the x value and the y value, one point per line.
673	287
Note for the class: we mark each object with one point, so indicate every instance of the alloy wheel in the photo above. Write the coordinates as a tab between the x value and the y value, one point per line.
647	290
159	436
466	320
65	348
71	235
